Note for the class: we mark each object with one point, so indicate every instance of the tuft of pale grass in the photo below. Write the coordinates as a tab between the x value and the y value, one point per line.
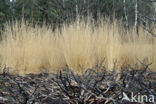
140	46
77	46
26	48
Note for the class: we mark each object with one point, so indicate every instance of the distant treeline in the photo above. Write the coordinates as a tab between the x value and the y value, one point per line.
55	12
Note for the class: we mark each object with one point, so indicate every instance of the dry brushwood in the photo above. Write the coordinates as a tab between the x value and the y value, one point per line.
93	86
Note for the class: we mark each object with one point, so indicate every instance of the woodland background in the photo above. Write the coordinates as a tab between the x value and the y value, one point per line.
56	12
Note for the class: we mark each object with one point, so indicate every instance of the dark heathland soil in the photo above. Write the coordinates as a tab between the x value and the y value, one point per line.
91	87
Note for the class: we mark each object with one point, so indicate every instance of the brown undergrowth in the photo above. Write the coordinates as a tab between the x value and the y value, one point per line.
92	86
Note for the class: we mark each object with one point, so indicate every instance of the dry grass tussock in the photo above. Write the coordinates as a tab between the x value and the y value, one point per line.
30	49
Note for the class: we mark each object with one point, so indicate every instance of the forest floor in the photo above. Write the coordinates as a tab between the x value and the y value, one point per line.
91	87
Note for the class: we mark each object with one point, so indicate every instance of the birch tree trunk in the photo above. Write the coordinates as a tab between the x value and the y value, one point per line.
136	13
77	13
76	8
125	12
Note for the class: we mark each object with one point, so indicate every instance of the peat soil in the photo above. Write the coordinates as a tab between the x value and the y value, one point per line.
92	86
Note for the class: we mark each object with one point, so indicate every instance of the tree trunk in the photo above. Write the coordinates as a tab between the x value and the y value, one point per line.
13	9
22	10
77	13
136	14
76	8
125	12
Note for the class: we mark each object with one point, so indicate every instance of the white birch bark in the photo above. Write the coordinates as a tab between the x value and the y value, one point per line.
76	8
136	13
77	13
125	12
